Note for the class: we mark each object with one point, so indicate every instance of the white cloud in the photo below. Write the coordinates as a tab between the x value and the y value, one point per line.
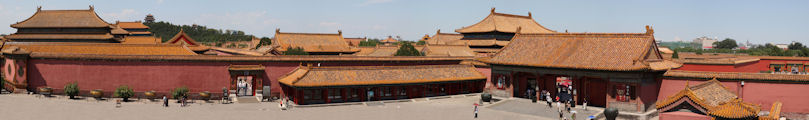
160	1
124	15
371	2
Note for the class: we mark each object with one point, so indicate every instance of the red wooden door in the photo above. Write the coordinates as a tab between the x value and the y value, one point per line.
597	92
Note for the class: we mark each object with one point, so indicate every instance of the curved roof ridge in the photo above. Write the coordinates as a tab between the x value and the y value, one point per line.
490	24
78	20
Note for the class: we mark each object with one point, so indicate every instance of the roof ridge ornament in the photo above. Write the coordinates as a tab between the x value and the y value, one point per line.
39	8
529	15
519	30
277	30
649	30
92	8
492	9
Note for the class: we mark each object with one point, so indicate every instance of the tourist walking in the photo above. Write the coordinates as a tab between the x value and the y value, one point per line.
239	86
584	103
476	110
548	99
165	101
117	103
183	101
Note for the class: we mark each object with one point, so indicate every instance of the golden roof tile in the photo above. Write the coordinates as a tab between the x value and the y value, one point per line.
63	19
594	51
443	38
60	36
141	40
101	48
312	42
132	25
507	23
447	50
378	75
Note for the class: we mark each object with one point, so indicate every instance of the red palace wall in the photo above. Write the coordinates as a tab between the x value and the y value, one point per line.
486	71
140	76
162	76
751	67
793	96
683	116
764	94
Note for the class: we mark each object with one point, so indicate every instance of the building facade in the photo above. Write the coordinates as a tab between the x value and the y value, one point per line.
620	70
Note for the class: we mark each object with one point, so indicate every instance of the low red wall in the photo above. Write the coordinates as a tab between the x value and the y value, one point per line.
703	67
683	116
793	96
140	76
163	76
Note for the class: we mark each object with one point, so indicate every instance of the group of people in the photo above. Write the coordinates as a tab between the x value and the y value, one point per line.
564	101
183	102
242	87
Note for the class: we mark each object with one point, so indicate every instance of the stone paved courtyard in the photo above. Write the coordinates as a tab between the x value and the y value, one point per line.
29	107
525	106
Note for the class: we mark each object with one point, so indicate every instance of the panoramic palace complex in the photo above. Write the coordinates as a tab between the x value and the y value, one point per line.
505	55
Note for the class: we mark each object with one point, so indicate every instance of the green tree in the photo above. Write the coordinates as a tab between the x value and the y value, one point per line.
725	44
369	42
675	55
179	92
407	49
166	30
296	51
72	90
264	41
796	46
124	92
421	42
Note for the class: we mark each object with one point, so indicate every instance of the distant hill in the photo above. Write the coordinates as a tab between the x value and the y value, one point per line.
166	30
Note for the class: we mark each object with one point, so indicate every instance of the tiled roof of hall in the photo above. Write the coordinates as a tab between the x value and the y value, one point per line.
61	36
244	58
311	42
389	40
131	25
70	48
712	98
507	23
305	76
737	76
447	50
181	38
141	40
590	51
63	19
354	41
443	38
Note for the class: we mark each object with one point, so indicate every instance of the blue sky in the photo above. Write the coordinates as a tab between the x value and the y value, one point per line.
772	21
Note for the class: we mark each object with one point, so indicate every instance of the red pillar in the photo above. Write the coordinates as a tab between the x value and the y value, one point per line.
298	96
343	94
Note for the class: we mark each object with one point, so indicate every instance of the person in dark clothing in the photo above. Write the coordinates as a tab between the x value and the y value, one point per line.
165	101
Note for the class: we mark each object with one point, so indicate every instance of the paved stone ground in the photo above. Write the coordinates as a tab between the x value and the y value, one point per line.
28	107
540	109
